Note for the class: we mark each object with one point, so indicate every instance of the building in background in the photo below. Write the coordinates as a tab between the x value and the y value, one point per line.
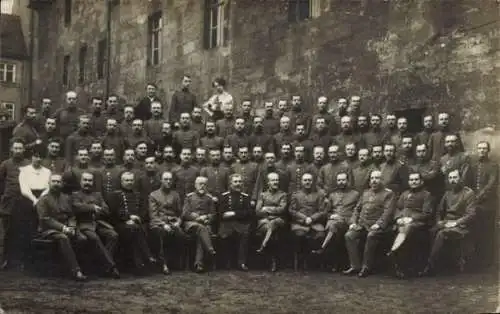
408	57
13	62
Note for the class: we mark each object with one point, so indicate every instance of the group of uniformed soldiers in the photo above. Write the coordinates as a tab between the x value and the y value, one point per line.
148	183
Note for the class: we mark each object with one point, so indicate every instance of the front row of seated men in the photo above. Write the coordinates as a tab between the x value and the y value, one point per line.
318	222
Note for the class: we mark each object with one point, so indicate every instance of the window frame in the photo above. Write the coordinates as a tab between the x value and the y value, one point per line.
155	28
4	70
66	65
295	14
82	58
217	25
11	112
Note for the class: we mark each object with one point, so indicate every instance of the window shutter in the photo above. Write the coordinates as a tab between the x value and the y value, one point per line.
206	24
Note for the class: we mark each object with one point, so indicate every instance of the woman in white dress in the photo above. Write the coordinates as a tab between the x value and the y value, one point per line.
33	181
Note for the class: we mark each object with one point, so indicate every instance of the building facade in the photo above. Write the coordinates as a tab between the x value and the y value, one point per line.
410	57
13	60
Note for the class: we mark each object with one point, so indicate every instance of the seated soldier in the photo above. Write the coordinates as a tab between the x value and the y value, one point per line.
235	218
165	214
415	209
307	211
129	213
58	223
371	220
271	211
340	207
454	217
198	215
89	208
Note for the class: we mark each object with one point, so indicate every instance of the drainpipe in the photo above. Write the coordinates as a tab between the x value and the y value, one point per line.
108	46
31	56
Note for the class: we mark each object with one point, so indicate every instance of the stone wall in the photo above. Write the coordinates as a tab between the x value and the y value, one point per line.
397	54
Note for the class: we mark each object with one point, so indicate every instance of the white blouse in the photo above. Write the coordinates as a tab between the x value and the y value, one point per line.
33	179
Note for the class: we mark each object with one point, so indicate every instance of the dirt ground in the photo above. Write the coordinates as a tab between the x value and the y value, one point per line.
253	292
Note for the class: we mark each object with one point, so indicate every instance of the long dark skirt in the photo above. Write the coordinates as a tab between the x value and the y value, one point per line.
24	229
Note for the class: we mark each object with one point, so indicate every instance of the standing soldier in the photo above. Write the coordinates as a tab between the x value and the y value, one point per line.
347	134
247	169
142	110
298	115
285	134
327	176
302	139
126	129
322	112
270	124
361	172
225	126
165	217
198	214
153	127
239	137
429	171
110	174
374	136
424	136
53	160
138	135
67	118
246	115
197	121
371	219
185	137
296	169
437	140
414	218
80	138
28	131
217	175
211	140
91	211
113	110
271	212
113	139
454	158
393	172
97	117
183	100
185	174
261	138
483	179
307	211
320	134
340	208
235	218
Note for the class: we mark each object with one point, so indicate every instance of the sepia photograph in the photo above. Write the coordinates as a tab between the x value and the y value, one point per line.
249	156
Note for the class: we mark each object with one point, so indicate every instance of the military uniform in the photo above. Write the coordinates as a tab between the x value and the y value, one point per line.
225	127
67	120
458	206
74	142
271	212
331	122
237	140
186	138
308	147
429	171
153	128
374	207
126	128
196	205
98	123
110	180
239	224
394	176
165	209
185	175
323	139
345	138
436	143
248	171
264	140
212	142
261	184
122	204
295	172
361	176
281	138
300	117
327	176
270	125
133	139
373	138
458	161
304	204
218	179
55	212
93	225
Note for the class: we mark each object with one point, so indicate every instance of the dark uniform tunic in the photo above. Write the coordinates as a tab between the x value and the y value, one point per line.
295	172
115	141
186	138
341	203
67	120
327	176
98	122
373	138
239	224
436	143
458	161
261	184
218	179
283	137
361	176
134	138
270	125
394	176
249	172
143	109
374	207
345	138
225	127
237	140
75	141
185	175
212	142
271	210
153	128
182	101
264	140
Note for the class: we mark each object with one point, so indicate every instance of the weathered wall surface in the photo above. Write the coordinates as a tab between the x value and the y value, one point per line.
438	54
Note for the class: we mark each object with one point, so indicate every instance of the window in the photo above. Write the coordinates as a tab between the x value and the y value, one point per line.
216	23
299	10
81	64
7	72
67	12
9	109
65	74
101	58
155	24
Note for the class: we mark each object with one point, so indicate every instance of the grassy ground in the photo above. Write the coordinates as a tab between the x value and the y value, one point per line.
253	292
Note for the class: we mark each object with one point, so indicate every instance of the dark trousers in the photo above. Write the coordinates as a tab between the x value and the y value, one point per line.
441	237
414	246
5	238
486	235
353	239
65	248
235	231
95	244
134	241
109	238
162	239
203	240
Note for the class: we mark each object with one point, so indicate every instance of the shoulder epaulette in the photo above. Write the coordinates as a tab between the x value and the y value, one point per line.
244	194
189	194
389	190
225	193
